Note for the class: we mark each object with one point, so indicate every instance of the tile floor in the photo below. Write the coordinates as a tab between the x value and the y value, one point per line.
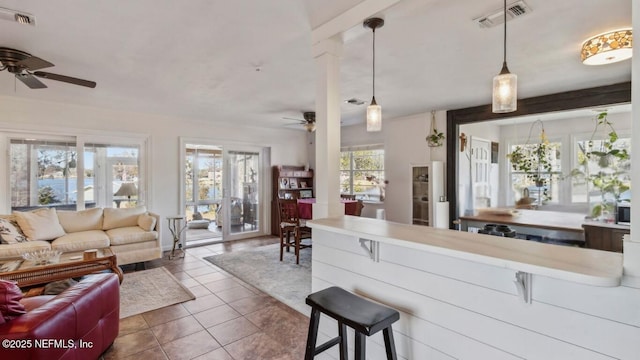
228	320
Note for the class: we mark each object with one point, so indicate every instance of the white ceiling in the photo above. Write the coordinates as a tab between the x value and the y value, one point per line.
199	58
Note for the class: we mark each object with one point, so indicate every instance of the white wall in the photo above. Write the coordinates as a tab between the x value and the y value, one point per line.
405	145
287	146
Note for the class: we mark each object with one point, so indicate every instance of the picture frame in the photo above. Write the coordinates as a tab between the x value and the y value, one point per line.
288	196
306	194
303	184
293	183
284	183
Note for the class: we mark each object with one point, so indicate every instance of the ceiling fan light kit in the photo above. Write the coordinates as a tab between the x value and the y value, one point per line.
24	65
374	111
310	121
505	84
608	48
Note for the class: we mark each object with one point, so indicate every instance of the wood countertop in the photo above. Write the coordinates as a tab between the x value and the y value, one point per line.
585	266
551	220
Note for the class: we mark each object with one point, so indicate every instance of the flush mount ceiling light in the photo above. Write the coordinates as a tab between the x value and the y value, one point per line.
505	84
374	111
608	48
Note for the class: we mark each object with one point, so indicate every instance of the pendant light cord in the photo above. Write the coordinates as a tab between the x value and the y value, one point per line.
374	62
504	42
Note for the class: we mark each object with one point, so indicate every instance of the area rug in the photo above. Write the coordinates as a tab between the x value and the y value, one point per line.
261	267
152	289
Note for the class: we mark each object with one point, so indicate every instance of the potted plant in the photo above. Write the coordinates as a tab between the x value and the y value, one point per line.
435	138
604	165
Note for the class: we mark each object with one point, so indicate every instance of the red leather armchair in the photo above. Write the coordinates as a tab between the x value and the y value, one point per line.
79	323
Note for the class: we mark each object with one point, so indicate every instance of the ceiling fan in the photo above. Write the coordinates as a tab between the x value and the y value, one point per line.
309	122
24	66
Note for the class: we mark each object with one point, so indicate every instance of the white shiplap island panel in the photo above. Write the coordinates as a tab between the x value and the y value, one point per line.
457	299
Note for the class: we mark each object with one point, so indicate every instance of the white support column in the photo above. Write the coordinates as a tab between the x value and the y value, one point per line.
632	242
327	48
327	173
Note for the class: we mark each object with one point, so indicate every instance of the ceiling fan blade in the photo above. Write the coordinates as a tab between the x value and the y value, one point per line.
294	119
67	79
31	81
34	63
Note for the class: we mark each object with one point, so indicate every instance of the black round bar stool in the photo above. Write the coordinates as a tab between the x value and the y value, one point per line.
363	316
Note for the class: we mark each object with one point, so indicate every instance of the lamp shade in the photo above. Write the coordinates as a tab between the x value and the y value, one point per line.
127	189
374	116
608	48
505	92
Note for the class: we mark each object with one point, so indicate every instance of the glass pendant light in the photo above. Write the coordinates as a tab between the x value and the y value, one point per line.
374	111
505	84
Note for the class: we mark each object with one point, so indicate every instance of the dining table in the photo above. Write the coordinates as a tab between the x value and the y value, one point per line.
305	207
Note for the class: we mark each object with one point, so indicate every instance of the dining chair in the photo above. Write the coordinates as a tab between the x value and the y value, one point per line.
290	224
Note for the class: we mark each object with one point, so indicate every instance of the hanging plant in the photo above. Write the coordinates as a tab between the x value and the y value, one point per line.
435	138
604	165
536	160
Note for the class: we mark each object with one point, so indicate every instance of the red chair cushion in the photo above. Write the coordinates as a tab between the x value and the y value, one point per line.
10	296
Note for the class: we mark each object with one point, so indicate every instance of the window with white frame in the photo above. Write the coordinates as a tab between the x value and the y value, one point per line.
571	178
362	172
61	172
537	178
597	173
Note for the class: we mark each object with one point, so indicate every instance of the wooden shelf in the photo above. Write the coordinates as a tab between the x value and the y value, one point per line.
282	176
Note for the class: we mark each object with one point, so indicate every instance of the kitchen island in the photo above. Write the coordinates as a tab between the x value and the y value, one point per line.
531	224
457	298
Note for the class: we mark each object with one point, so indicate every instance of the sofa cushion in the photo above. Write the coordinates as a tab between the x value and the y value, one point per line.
16	250
84	220
10	232
40	224
146	222
129	235
10	295
80	241
117	218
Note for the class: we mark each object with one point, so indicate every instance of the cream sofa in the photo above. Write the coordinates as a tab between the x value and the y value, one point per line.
133	234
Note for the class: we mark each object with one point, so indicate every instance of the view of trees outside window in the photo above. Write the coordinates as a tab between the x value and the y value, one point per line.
106	168
203	181
362	174
42	173
45	173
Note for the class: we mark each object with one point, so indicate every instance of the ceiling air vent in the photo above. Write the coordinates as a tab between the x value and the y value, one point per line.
516	9
17	16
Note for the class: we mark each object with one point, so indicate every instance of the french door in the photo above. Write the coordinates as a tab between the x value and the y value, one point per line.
222	195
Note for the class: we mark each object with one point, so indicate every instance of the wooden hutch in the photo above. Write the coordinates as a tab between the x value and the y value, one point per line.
288	182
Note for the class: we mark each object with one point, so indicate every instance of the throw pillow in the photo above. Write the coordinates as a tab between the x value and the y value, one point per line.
10	232
146	222
41	224
83	220
117	218
56	287
10	295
